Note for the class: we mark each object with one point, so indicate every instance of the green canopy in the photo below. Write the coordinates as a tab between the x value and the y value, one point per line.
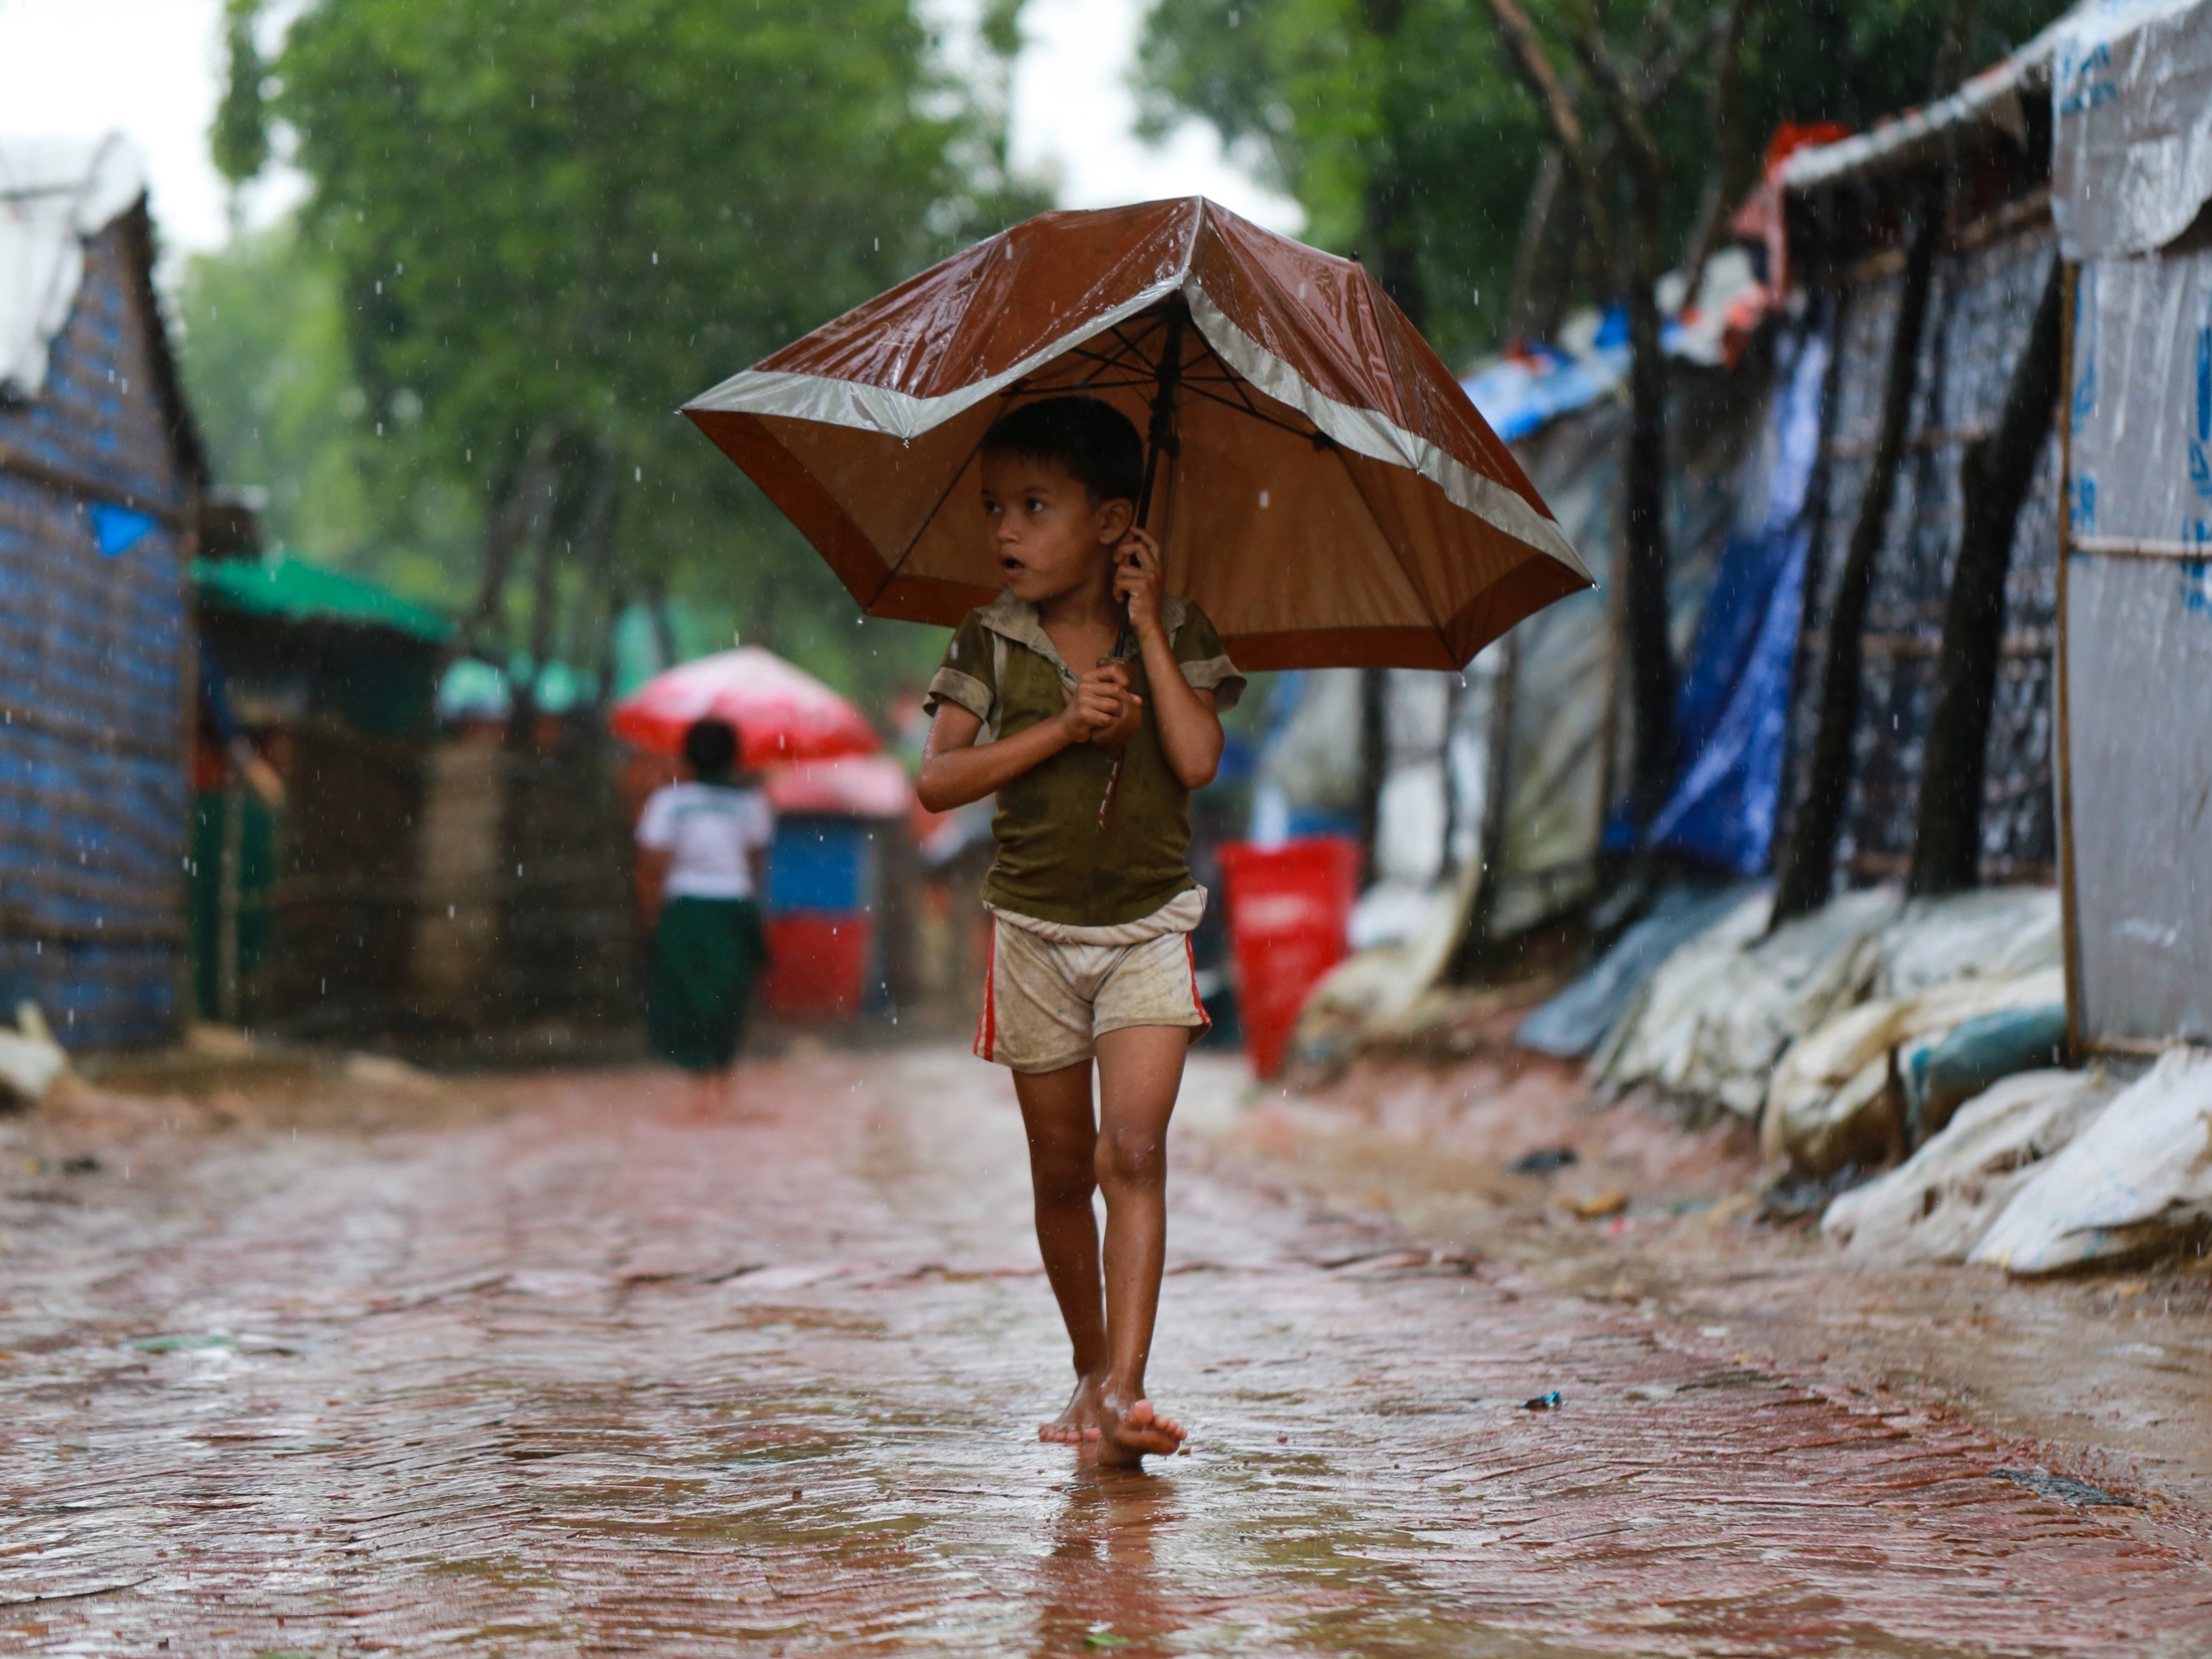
287	586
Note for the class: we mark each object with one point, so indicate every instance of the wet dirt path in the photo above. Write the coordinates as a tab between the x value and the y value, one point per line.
585	1378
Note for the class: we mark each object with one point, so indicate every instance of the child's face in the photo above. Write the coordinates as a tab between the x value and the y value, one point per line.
1049	540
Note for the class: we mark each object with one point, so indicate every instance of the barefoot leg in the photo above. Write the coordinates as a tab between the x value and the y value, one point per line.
1063	1140
1140	1070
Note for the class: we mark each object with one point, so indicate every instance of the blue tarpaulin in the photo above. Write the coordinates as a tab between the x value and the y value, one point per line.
1734	704
119	529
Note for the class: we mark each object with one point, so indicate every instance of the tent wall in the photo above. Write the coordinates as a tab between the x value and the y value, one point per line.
2139	648
1562	704
97	494
1983	299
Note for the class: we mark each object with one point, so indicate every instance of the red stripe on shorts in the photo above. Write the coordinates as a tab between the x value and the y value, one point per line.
986	1023
1205	1019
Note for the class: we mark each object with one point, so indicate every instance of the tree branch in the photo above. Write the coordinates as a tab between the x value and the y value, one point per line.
1724	179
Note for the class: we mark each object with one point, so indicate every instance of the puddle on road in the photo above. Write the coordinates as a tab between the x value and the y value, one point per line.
537	1460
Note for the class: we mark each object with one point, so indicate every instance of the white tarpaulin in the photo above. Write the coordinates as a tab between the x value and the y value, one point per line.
2131	1181
2132	169
54	194
2131	133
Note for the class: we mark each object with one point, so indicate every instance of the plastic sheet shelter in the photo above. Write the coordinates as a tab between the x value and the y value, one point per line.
1557	721
1328	493
2132	174
101	483
1847	206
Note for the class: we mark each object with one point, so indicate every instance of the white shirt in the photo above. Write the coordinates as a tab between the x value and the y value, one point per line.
709	832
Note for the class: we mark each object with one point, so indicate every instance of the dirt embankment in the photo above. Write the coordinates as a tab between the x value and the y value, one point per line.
1635	1202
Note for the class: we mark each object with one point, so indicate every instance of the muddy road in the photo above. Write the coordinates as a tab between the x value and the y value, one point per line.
570	1374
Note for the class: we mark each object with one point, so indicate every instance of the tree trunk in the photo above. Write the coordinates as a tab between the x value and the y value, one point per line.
1808	872
523	513
1536	222
1994	480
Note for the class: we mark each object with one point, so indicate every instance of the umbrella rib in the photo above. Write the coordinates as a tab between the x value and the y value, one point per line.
927	519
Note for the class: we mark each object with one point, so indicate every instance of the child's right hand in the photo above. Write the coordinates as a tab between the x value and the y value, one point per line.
1101	697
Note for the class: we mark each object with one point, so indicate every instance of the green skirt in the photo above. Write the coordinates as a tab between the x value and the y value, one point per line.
705	954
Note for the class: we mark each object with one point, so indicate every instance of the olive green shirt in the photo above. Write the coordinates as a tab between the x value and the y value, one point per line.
1057	861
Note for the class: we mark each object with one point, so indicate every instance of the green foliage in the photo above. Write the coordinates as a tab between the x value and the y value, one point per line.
266	362
551	222
239	141
1336	99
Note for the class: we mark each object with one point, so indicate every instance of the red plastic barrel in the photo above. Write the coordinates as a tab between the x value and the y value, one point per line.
818	963
1288	908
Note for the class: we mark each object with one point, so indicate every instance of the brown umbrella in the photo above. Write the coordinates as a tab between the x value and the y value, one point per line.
1330	496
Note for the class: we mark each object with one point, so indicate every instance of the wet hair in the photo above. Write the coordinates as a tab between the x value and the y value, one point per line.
710	747
1091	440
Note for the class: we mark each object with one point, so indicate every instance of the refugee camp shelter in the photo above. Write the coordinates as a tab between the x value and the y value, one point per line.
2131	176
315	730
1851	208
100	481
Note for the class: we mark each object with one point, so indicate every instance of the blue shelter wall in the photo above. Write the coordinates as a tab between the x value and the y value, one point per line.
95	490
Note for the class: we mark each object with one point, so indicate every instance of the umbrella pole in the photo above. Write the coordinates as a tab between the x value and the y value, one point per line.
1159	441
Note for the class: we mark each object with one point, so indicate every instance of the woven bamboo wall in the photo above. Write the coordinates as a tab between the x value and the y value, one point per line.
94	660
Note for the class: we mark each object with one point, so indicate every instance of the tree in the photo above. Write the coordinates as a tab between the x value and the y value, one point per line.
550	221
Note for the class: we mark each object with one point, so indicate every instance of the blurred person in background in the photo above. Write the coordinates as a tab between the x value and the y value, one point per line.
703	847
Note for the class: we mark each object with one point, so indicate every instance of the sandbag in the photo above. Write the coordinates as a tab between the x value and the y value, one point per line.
1937	1206
1942	1074
1582	1016
31	1061
1992	932
2131	1182
1837	1096
1716	1016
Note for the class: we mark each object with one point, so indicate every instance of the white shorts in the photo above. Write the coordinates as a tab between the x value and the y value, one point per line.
1051	990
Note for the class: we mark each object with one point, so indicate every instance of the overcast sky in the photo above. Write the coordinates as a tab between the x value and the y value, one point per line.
151	68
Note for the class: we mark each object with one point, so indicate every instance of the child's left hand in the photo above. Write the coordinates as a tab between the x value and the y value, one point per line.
1137	580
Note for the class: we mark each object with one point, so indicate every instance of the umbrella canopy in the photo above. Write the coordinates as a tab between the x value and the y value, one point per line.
783	713
1319	482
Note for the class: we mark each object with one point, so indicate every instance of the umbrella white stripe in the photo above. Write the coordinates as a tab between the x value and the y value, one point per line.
864	408
860	407
1365	432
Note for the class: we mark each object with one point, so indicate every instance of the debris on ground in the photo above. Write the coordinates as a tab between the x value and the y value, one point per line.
2135	1180
1543	1403
1792	1200
2065	1488
1545	1160
1936	1206
1592	1206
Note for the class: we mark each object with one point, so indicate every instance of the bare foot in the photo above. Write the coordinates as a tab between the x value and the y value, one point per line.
1079	1422
1126	1438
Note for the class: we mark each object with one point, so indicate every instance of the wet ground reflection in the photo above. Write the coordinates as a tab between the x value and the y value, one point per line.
589	1379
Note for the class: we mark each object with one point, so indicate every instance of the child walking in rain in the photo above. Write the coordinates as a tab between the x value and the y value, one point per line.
701	844
1086	698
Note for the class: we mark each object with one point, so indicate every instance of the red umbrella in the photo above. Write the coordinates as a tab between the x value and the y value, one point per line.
860	786
1318	480
783	713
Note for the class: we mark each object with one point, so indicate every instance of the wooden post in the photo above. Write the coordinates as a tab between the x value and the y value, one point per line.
2070	921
